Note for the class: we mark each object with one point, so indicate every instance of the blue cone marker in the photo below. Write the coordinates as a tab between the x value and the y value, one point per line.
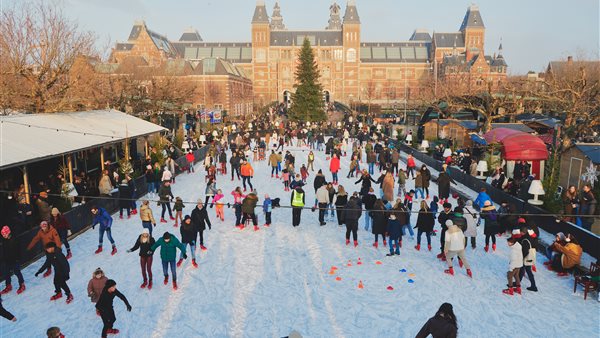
411	281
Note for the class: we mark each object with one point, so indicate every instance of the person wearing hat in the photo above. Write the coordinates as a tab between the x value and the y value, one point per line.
472	218
103	218
455	246
144	242
106	309
200	220
297	202
443	324
569	255
63	227
444	216
96	284
150	179
168	252
43	206
55	258
443	182
11	259
490	216
189	233
46	234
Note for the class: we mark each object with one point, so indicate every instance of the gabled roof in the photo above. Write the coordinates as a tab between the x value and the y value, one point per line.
448	40
351	14
591	151
513	126
160	41
420	35
408	51
498	62
316	38
260	13
216	66
34	137
472	19
190	35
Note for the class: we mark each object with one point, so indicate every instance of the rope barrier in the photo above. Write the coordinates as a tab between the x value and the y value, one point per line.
229	204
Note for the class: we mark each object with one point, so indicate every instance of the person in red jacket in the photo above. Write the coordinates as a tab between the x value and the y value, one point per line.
62	226
334	167
410	166
190	160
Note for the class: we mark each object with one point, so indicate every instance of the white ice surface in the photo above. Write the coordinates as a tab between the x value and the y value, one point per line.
270	282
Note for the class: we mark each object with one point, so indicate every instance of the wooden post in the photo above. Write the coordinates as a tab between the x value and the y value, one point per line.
146	148
70	164
102	158
26	184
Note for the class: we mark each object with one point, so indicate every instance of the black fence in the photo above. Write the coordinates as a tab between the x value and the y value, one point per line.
80	217
589	241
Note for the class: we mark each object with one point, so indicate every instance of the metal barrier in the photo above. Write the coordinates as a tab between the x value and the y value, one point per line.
589	241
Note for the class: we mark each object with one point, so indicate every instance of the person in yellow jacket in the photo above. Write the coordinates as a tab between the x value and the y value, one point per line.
570	255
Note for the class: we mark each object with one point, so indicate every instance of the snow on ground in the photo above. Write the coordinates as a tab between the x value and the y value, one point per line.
270	282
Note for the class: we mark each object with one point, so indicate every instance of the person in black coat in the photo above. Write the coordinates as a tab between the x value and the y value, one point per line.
443	182
105	307
425	222
368	201
145	243
189	232
351	215
380	220
199	221
56	259
443	324
445	215
124	198
341	199
366	180
11	259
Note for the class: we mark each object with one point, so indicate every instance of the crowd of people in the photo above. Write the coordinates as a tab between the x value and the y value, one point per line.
389	211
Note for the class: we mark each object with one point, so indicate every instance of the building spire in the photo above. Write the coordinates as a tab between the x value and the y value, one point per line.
277	19
260	13
472	19
335	22
500	48
351	15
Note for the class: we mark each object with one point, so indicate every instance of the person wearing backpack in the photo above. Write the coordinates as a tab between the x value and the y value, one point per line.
529	256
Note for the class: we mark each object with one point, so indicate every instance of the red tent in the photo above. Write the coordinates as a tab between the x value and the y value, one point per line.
498	134
524	147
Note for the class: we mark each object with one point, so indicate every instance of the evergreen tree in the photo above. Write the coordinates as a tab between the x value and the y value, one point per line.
307	102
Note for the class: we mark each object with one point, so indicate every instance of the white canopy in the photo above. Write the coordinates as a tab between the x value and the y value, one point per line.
26	138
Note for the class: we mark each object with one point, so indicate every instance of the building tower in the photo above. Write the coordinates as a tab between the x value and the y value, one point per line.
277	19
335	22
351	50
473	31
261	36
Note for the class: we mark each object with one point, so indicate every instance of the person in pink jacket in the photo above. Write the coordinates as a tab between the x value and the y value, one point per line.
238	196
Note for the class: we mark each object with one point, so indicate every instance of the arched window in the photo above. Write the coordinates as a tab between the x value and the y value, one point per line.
351	55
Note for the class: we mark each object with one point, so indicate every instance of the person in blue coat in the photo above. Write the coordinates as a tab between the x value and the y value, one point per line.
103	218
267	208
481	198
394	230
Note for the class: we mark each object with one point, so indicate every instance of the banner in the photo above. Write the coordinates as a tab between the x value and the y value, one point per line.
215	116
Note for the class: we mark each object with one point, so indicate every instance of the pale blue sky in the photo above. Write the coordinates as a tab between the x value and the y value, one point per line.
533	32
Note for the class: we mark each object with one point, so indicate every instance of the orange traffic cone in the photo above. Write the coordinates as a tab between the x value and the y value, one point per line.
360	285
390	288
332	272
338	278
349	263
378	262
359	262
